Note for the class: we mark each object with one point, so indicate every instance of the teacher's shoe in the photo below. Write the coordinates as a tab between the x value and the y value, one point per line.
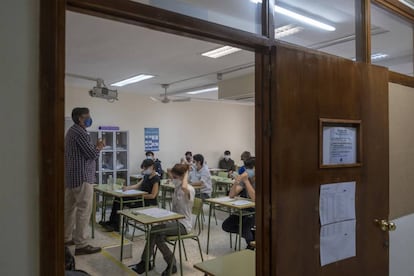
87	250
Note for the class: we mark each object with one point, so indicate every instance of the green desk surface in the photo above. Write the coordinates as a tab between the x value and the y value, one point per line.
222	179
241	263
105	188
145	219
229	203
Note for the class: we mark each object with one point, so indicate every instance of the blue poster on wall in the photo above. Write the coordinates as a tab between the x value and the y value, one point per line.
152	139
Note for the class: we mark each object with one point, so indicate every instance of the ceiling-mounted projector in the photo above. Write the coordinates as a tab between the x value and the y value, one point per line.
104	93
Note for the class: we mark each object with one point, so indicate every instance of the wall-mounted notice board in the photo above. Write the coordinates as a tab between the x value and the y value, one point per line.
340	143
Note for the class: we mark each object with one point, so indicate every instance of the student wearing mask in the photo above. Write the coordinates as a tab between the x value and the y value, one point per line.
244	156
150	184
182	203
149	155
200	176
187	159
227	163
244	186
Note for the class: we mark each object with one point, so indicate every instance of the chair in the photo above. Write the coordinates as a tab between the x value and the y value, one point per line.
197	209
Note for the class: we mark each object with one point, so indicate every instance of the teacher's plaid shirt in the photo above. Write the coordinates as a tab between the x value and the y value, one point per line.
80	157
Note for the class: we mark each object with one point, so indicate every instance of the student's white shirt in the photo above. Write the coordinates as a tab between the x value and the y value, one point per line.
183	204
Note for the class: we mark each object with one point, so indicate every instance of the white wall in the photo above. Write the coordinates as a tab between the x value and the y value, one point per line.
201	127
401	114
19	214
402	247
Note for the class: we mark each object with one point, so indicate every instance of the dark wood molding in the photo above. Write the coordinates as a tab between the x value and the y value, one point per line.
163	20
51	87
268	24
363	30
402	79
397	8
262	136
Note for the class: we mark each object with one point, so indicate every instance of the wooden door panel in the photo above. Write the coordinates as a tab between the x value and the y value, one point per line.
306	87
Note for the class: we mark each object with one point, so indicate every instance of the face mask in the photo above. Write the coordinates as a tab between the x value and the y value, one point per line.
250	172
150	157
227	157
88	122
147	172
177	182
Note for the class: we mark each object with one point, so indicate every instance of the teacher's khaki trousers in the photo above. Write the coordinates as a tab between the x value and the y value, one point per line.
78	208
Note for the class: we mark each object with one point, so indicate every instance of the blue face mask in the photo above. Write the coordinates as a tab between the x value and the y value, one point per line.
250	172
88	122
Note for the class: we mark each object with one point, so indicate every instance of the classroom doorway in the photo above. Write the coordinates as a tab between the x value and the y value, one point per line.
198	96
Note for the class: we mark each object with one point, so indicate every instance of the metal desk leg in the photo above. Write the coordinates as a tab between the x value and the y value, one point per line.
103	207
121	204
93	218
179	247
122	237
208	230
148	241
240	227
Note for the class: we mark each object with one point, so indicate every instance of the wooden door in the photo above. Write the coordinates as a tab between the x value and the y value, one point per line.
307	86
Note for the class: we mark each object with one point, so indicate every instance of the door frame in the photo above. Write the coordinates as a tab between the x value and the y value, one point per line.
52	99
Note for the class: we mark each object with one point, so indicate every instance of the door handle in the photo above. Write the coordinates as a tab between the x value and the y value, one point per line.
385	225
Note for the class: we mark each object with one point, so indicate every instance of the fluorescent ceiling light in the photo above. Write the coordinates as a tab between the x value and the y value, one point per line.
376	56
287	30
205	90
301	18
408	3
134	79
219	52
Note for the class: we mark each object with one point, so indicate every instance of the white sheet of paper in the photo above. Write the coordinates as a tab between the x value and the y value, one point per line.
337	202
223	199
339	145
155	212
129	192
337	241
240	202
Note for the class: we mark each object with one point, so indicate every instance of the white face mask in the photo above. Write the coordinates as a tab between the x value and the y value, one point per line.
177	182
227	157
147	172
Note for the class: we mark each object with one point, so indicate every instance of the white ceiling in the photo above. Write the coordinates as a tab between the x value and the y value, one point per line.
113	51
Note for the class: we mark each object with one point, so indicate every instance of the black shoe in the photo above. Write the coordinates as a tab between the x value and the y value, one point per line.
87	250
140	267
166	272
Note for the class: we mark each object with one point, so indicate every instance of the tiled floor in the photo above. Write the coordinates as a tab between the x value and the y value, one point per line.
106	264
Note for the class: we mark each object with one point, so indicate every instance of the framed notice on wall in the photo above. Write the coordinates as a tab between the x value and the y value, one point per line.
152	139
340	143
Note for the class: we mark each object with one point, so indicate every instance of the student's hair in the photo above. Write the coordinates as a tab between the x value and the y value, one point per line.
245	155
77	112
147	163
180	169
227	152
198	157
188	153
250	163
149	153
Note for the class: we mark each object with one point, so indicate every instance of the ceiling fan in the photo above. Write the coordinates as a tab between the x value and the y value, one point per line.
165	98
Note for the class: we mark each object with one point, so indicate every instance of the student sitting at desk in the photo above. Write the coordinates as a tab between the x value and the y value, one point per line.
157	163
182	203
244	156
226	163
244	186
200	176
150	184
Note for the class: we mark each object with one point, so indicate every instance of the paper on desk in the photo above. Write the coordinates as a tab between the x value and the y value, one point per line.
241	202
337	241
155	212
337	202
223	199
129	192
